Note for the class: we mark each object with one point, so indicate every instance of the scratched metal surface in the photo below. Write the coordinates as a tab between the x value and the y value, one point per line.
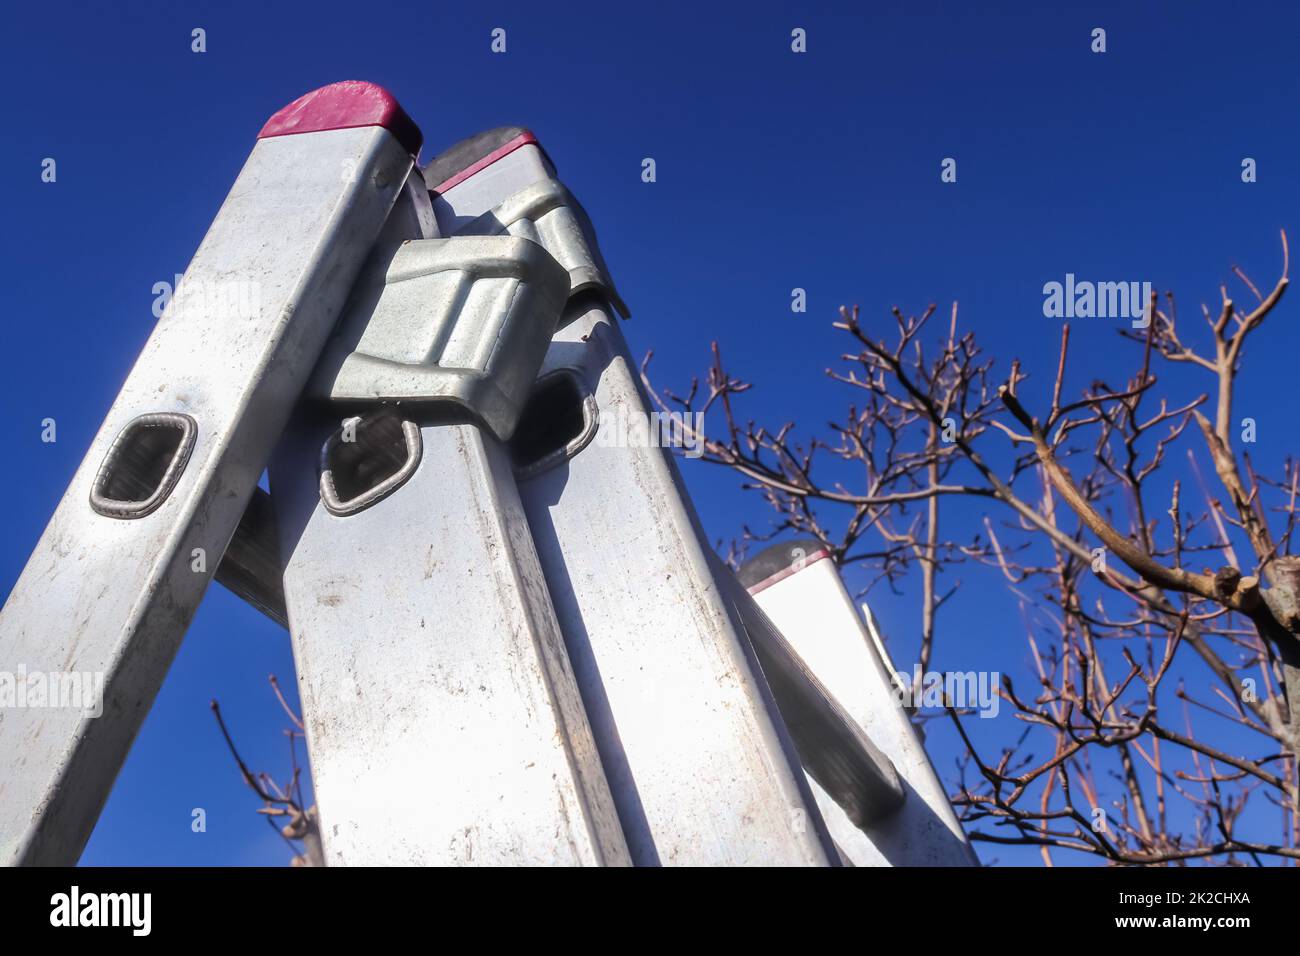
443	720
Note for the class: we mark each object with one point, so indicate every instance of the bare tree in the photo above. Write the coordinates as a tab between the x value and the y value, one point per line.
301	829
1106	744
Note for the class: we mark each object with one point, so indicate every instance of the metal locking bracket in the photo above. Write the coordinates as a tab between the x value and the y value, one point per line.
462	322
548	214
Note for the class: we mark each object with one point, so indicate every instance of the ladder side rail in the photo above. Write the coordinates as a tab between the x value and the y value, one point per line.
700	762
444	723
108	593
805	598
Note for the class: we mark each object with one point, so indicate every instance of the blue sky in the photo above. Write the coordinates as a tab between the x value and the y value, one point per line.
775	170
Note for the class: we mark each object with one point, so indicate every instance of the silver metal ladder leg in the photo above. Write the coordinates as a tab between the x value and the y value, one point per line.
799	588
443	720
119	571
700	762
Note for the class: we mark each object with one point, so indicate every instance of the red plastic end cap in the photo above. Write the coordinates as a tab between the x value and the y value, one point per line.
522	138
345	105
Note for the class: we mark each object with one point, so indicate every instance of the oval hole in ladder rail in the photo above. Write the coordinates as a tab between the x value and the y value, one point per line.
558	421
143	465
367	460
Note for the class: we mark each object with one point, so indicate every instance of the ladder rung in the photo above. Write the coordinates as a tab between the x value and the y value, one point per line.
251	567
